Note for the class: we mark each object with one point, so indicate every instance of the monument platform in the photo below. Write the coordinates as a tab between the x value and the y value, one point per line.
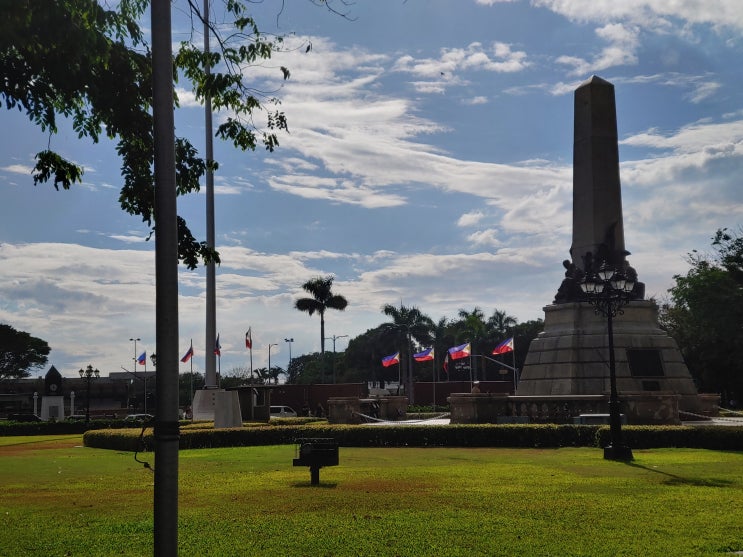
571	357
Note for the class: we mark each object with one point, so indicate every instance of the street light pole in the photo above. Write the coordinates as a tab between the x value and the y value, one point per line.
334	338
608	291
269	360
88	373
289	340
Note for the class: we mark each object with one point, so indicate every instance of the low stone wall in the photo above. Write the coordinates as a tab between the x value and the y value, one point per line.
638	408
347	410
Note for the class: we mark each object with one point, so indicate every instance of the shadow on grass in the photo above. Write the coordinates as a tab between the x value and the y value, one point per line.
674	479
321	485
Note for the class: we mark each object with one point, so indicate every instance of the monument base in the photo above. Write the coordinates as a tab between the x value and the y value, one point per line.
570	357
52	408
218	405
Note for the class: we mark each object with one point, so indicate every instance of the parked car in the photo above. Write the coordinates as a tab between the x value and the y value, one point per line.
75	418
139	418
282	412
23	418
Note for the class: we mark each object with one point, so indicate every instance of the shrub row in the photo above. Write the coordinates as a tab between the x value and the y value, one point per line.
480	435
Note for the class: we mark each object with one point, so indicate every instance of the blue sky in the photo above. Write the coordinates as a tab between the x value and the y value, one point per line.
428	162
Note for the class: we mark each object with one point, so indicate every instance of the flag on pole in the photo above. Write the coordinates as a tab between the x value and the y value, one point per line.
142	360
217	347
503	347
462	351
249	339
424	356
391	360
188	355
446	364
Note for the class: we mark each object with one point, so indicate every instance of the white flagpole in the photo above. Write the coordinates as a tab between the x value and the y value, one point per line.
515	378
191	361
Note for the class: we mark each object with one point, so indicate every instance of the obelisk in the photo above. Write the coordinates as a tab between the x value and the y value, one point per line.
567	362
598	228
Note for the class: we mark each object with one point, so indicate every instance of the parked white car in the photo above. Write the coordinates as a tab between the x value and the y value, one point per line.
282	412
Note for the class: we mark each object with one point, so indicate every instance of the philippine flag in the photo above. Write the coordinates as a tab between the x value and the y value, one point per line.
188	355
388	361
505	346
424	356
142	360
249	338
217	347
459	352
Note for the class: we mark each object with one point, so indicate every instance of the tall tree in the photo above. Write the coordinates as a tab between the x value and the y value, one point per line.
90	63
20	352
500	323
323	298
472	328
705	317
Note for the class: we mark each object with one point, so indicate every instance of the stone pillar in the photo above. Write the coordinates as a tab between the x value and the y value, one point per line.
598	226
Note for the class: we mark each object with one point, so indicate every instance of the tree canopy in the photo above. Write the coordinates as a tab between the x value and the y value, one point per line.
20	352
323	298
88	62
705	316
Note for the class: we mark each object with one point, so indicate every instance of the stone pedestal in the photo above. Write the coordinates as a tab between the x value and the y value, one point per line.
344	410
227	411
570	357
218	405
52	408
393	407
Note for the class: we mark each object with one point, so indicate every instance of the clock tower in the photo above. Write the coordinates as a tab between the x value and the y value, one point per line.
52	403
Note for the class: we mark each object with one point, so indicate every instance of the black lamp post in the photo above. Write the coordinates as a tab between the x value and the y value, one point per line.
88	373
608	291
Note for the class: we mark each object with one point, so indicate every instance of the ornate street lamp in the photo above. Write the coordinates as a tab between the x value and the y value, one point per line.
88	373
608	291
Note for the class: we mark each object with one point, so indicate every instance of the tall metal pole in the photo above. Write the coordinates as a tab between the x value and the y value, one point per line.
210	375
166	286
289	340
615	419
269	360
134	359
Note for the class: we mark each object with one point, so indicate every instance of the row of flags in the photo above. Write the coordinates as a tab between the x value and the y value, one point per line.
217	348
454	353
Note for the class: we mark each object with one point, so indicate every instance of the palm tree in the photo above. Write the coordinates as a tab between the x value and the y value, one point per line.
500	322
322	298
473	329
408	323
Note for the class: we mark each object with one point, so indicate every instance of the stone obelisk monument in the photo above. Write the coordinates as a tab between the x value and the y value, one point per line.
569	359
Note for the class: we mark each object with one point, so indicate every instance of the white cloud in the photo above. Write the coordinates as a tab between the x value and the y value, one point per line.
656	14
18	169
621	51
470	219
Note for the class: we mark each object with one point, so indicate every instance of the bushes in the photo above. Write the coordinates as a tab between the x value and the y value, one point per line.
479	435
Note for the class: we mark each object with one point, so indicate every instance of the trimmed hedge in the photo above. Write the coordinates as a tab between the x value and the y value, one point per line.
479	435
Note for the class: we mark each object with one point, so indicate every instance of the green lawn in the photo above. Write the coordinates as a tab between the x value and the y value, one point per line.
59	498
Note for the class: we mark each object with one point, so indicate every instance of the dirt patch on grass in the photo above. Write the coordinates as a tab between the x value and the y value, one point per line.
27	445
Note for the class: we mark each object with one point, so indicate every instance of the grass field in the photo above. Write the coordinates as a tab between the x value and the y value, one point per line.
59	498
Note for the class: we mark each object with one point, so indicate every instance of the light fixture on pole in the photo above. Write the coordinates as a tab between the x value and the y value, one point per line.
334	338
88	373
269	359
608	290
